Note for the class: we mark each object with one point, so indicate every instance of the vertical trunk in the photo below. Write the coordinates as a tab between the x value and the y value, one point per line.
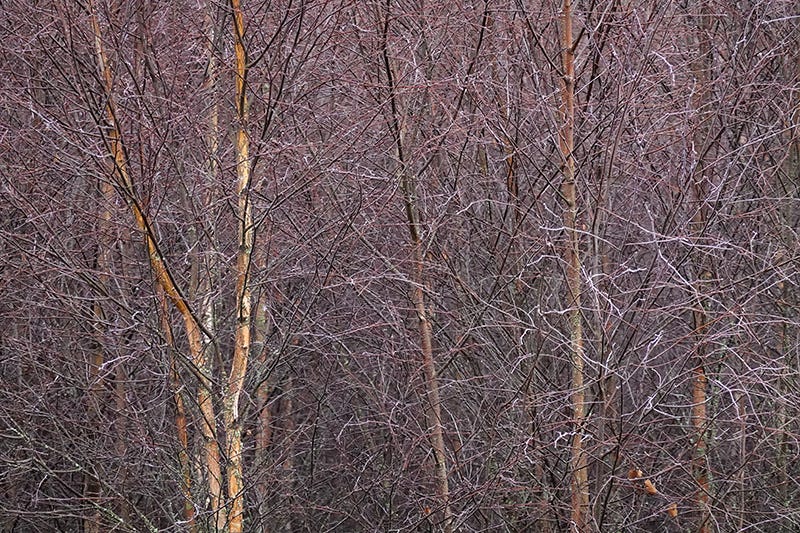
122	504
433	412
607	380
579	483
212	140
241	353
206	266
124	183
287	409
92	486
786	304
120	405
92	523
181	427
741	414
701	175
207	263
261	328
784	385
700	418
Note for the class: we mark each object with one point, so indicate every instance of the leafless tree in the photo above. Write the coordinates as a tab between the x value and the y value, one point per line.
396	265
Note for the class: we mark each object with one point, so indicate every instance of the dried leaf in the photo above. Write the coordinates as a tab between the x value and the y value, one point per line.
672	510
634	473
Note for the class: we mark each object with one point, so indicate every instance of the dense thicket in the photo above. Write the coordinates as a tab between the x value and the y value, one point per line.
407	173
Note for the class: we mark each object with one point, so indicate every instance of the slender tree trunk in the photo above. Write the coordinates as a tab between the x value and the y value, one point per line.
241	353
263	437
434	410
181	427
607	381
124	184
579	483
701	142
207	265
205	281
97	397
121	430
784	348
700	418
103	263
288	479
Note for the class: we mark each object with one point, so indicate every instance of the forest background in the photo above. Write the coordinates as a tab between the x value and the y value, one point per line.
396	265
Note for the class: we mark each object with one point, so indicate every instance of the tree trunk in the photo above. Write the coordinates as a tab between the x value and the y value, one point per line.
579	483
124	184
433	413
241	352
701	143
97	380
261	327
181	427
434	410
